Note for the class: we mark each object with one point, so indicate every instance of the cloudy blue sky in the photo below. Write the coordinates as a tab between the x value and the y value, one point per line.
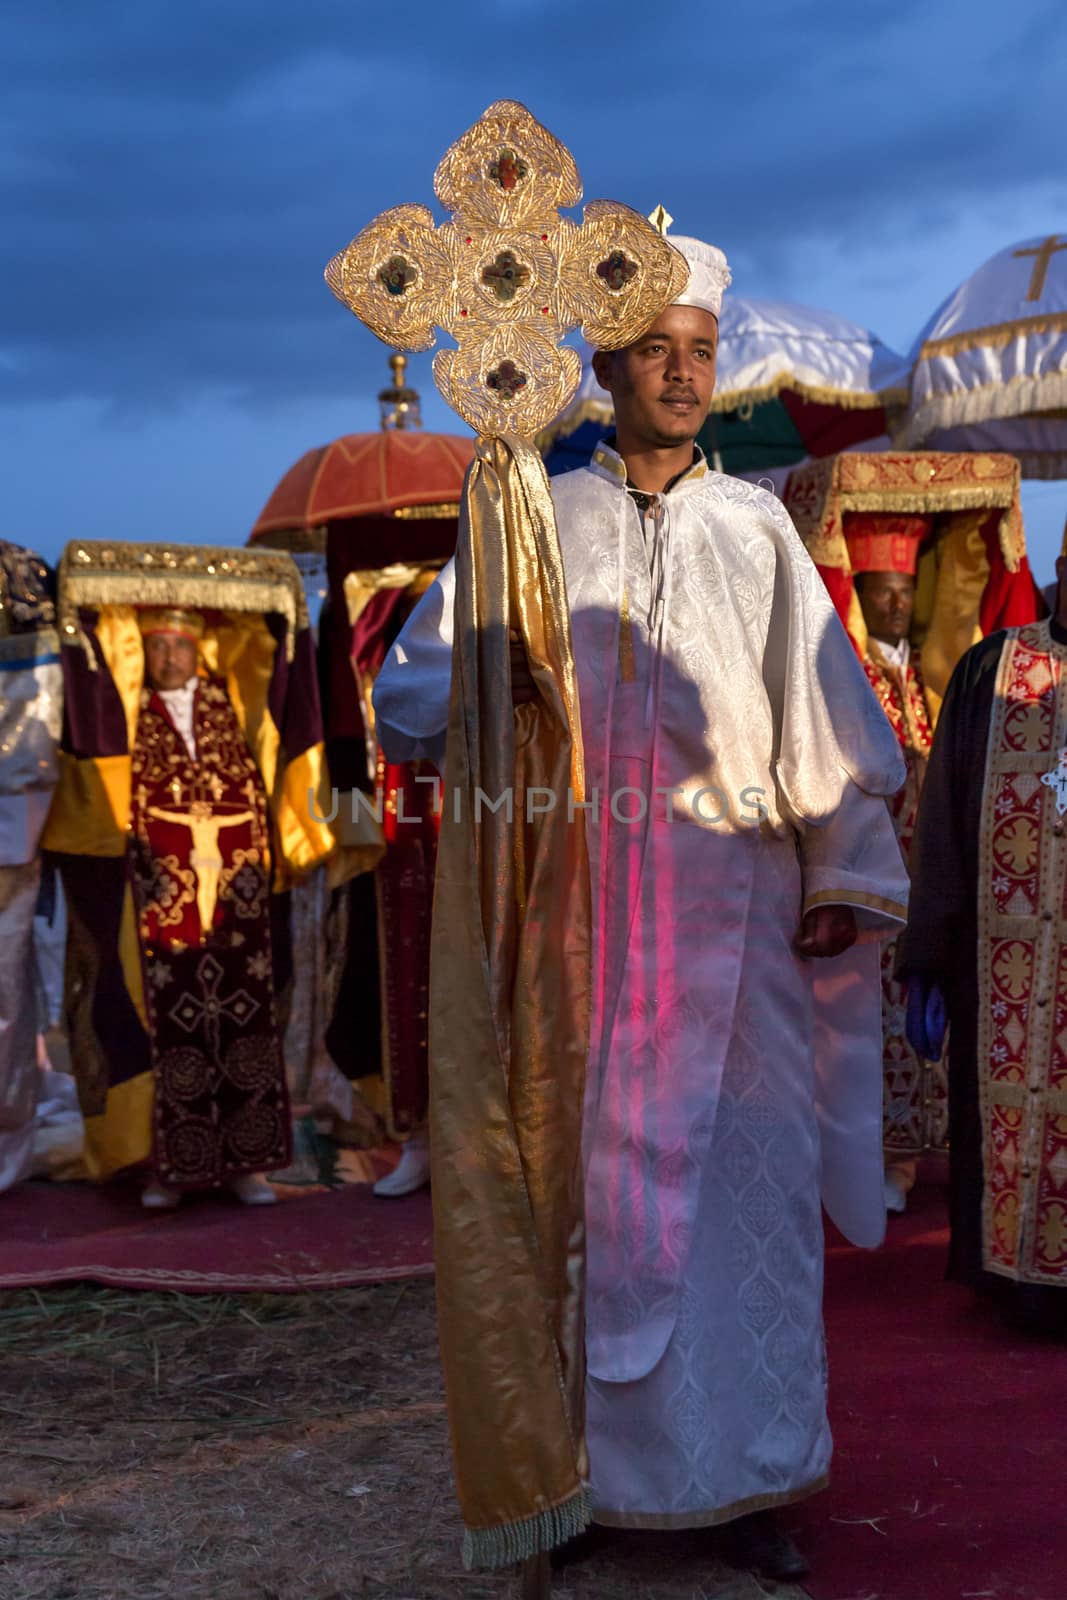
174	177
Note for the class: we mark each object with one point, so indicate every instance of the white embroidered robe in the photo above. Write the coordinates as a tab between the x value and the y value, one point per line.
729	1081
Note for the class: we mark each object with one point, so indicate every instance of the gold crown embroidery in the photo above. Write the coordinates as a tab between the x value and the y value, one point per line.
507	276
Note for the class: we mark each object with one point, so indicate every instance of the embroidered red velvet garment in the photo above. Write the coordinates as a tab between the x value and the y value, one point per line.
405	903
199	859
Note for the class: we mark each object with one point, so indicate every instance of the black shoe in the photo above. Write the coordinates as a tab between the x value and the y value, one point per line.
759	1544
580	1548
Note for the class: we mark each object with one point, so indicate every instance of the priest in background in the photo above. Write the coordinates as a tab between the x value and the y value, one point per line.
883	554
743	868
986	946
200	867
169	848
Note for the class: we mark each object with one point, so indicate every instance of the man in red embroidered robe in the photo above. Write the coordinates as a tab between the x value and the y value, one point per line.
986	943
883	553
198	860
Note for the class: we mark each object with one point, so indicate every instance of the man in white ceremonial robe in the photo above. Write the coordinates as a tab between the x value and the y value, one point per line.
744	868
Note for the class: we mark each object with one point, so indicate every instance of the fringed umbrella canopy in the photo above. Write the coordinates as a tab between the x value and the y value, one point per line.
388	474
973	576
791	382
368	519
989	370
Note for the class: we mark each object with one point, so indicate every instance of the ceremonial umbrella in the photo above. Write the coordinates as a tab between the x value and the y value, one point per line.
989	370
973	576
791	382
368	500
386	476
372	517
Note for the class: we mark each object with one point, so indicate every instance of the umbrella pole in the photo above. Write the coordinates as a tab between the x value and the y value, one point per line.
537	1578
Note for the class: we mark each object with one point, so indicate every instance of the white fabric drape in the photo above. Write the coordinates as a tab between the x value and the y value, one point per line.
30	713
989	370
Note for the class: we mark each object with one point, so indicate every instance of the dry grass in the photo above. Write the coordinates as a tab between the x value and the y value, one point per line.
174	1447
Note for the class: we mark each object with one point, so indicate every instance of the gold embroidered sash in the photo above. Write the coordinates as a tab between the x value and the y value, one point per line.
1022	968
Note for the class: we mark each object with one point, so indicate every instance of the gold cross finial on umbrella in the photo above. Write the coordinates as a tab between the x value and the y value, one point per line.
1044	254
661	220
398	402
507	276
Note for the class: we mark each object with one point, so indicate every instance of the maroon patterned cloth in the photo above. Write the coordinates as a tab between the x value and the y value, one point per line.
199	860
405	879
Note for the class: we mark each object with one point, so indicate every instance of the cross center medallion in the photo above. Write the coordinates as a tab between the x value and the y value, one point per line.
1056	780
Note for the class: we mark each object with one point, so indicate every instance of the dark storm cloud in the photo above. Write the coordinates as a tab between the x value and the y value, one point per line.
174	177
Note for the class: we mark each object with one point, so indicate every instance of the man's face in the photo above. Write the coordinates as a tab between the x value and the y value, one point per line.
887	600
170	660
662	385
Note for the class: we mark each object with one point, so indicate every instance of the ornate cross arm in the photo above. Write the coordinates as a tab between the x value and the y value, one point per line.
508	277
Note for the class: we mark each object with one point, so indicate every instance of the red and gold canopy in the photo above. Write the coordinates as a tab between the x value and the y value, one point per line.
383	510
386	474
972	575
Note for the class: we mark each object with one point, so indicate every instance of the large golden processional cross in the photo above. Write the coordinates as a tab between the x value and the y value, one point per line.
508	277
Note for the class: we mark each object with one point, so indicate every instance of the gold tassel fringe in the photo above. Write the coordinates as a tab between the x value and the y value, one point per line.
512	1542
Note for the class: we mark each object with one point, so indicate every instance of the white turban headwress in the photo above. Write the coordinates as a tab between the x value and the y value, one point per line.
709	274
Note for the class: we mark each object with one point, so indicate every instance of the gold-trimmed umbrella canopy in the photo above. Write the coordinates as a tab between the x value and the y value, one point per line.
792	381
386	474
96	572
973	576
989	370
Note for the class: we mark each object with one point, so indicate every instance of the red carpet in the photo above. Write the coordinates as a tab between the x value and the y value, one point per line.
948	1423
59	1232
948	1427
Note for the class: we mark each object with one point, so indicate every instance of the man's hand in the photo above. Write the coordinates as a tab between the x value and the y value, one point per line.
826	931
927	1016
523	688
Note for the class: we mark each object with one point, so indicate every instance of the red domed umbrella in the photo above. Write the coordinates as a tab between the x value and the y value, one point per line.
386	474
371	504
382	510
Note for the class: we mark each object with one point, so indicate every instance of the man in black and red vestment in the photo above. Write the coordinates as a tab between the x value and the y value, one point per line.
986	942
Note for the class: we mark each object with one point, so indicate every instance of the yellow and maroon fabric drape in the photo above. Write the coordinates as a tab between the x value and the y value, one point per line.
973	576
378	568
263	722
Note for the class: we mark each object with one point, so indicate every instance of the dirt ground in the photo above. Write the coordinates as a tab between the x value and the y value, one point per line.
224	1447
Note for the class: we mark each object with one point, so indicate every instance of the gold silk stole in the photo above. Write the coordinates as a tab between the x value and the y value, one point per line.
1022	966
509	1010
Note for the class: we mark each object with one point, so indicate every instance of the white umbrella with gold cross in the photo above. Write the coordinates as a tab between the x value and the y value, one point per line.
989	370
